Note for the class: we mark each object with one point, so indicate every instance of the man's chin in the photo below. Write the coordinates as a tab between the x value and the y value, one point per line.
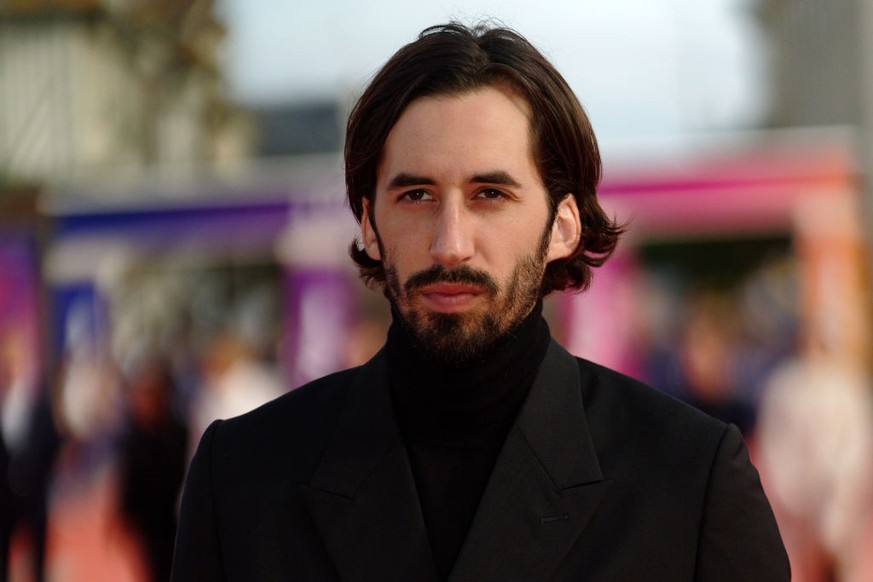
453	339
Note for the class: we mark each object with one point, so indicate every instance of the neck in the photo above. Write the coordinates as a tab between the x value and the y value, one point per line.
473	400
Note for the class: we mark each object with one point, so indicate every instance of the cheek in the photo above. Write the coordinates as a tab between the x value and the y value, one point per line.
404	243
406	263
515	242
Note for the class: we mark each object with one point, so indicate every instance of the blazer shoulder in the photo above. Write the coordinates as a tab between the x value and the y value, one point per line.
298	406
295	426
683	476
621	408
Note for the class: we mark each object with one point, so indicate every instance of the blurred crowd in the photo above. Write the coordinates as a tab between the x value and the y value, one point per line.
123	412
121	418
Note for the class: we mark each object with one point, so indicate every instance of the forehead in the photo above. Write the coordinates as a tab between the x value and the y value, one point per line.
489	125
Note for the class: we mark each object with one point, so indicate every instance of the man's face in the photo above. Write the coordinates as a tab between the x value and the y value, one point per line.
461	221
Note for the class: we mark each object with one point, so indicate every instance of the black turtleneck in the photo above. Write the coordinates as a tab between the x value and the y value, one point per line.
454	421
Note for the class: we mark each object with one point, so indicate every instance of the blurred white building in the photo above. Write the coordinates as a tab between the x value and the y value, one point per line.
94	85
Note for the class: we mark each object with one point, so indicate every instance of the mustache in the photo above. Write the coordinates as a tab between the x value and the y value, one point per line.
462	274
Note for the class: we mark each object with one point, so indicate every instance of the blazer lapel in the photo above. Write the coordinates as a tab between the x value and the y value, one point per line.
545	485
362	496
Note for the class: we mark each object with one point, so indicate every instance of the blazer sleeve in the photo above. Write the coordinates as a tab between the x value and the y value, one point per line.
739	538
197	554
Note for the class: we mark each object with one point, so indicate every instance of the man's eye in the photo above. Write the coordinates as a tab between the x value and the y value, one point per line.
490	194
416	196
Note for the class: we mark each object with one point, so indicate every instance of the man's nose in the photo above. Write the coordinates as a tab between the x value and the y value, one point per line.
452	242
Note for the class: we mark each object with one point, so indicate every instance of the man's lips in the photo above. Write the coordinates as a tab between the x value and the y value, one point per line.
450	297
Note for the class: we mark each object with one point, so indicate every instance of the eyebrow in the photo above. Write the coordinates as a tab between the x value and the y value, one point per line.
404	180
499	177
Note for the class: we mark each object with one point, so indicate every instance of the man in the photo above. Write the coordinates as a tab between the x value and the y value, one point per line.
473	447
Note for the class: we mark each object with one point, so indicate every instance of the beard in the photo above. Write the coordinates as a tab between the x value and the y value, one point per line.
455	339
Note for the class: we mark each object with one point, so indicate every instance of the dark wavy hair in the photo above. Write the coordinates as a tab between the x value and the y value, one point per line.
454	59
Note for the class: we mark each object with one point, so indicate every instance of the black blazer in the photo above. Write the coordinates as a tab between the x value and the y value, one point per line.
600	478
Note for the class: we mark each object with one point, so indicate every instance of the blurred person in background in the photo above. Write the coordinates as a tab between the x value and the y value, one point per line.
237	367
90	402
153	457
234	381
816	451
708	361
29	444
815	429
472	446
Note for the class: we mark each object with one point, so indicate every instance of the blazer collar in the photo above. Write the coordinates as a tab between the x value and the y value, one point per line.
545	485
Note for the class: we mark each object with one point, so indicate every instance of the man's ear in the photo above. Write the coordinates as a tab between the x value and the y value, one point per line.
368	234
566	230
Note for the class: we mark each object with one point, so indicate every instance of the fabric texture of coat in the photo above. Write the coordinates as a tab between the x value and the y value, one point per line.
600	478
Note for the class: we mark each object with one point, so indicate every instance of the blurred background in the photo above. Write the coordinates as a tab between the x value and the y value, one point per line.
173	241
